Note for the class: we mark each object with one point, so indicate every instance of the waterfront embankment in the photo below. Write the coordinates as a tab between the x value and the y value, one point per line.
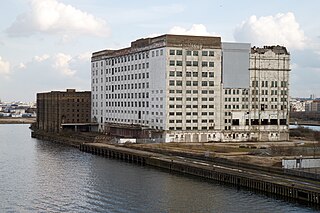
11	120
289	184
286	185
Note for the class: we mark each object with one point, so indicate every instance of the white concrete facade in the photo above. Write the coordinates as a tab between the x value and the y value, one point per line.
174	84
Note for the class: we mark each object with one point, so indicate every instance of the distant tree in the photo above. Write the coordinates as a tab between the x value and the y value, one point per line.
316	135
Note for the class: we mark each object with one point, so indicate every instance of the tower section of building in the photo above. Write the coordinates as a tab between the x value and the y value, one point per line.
258	110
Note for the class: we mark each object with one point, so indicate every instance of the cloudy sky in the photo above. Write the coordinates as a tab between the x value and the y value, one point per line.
46	44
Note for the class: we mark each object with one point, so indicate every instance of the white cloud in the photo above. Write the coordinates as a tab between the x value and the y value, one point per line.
84	56
41	58
4	67
51	16
62	63
196	29
22	66
282	29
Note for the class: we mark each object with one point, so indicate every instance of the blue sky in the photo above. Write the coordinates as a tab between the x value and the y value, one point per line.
46	44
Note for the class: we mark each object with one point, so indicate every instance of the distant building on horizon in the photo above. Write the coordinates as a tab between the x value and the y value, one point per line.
63	109
182	88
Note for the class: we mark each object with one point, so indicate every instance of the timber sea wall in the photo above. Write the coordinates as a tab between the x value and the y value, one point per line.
292	188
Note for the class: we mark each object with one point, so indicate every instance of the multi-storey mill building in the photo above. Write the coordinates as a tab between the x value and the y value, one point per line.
256	98
192	88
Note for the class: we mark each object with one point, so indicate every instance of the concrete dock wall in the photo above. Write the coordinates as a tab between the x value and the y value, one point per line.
273	185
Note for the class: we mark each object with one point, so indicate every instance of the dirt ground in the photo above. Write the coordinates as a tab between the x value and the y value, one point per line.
259	153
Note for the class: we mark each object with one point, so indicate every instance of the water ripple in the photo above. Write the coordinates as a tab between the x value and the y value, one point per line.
38	176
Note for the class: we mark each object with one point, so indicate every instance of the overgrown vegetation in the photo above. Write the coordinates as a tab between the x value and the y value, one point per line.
305	133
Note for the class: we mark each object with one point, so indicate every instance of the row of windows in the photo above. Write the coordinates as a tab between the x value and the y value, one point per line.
123	77
273	83
191	74
192	91
266	99
190	113
127	95
273	92
189	83
190	106
236	91
124	96
130	104
113	88
190	99
134	112
192	128
192	121
234	99
122	59
194	53
191	63
114	70
254	106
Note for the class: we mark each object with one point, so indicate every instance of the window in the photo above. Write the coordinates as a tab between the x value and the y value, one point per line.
172	63
179	63
211	53
204	74
204	83
204	53
188	74
172	52
195	74
211	64
171	73
211	83
188	52
179	52
188	63
195	63
204	64
179	74
171	82
195	53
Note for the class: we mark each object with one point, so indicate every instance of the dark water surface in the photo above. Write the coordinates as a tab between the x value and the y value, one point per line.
38	176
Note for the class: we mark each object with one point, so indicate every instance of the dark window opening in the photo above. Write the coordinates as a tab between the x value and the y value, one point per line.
264	122
283	121
235	122
273	121
254	121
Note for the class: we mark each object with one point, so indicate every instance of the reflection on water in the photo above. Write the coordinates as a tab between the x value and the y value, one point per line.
38	176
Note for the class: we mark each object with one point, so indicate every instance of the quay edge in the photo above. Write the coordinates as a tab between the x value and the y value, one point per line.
271	185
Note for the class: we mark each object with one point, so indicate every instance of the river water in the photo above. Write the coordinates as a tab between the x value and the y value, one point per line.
38	176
